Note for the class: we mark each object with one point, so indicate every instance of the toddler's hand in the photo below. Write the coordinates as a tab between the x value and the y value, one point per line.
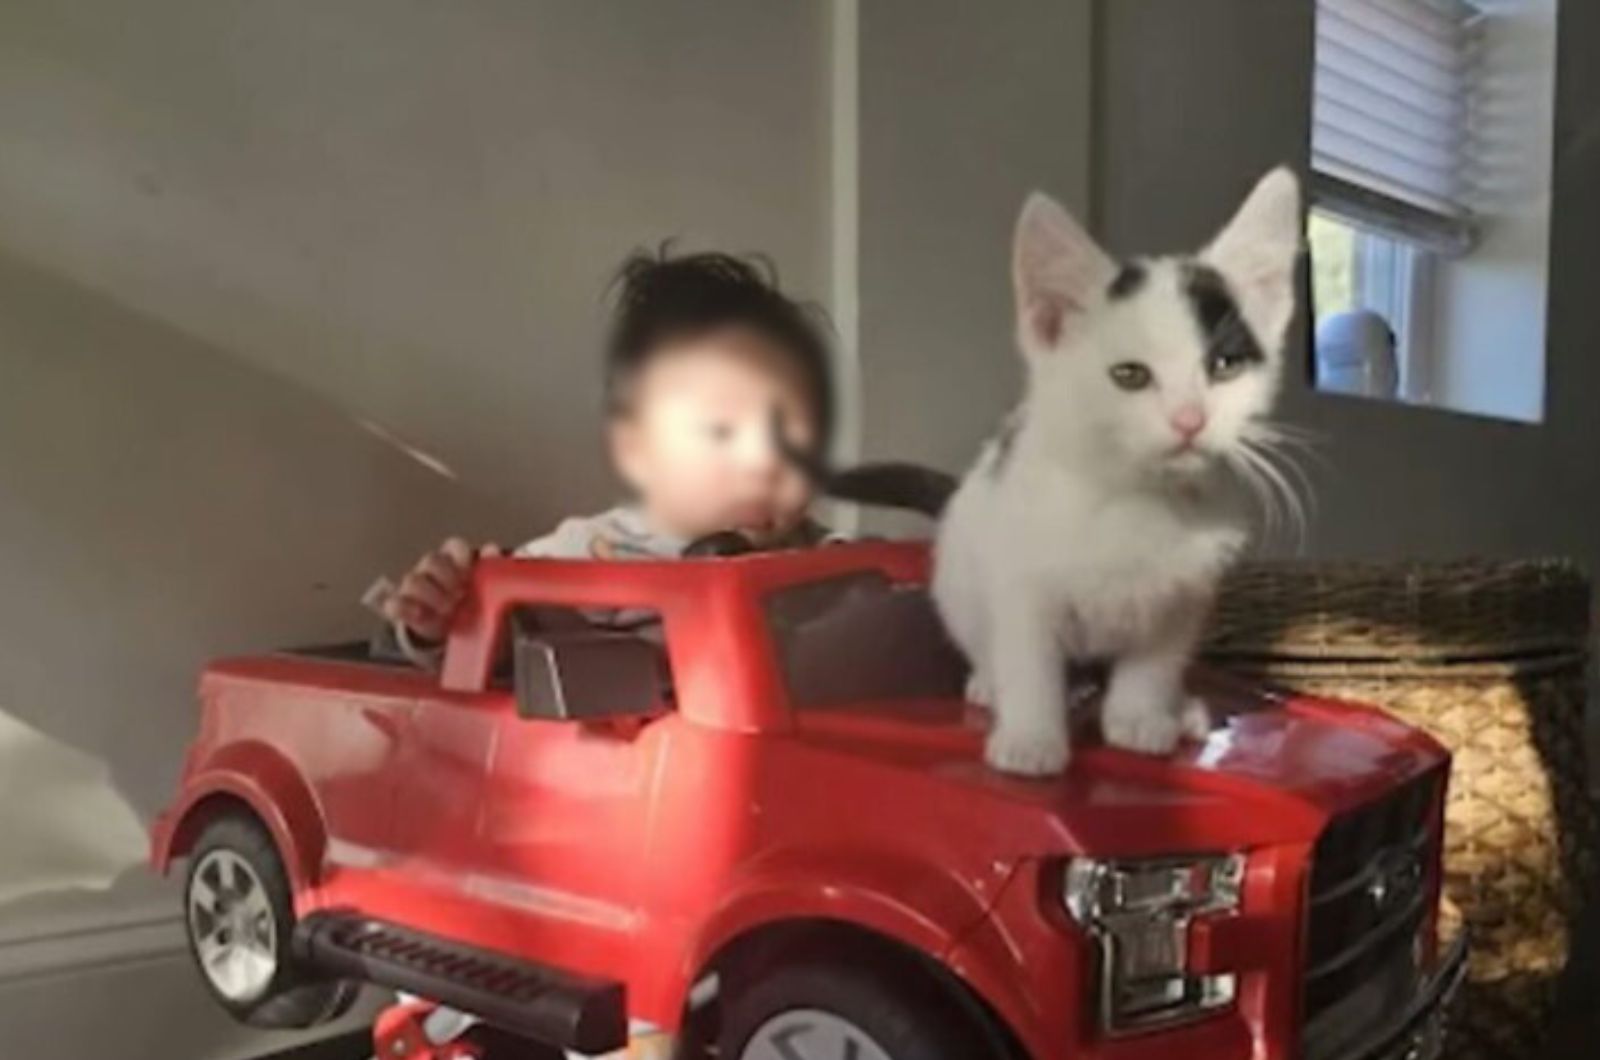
432	590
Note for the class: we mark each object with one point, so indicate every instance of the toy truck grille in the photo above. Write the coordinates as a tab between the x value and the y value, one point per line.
1367	907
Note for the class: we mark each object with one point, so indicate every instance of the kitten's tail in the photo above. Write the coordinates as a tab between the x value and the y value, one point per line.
893	484
890	484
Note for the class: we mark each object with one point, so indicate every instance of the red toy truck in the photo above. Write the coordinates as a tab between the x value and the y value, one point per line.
750	807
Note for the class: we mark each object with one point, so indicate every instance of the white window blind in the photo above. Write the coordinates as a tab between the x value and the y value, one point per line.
1391	128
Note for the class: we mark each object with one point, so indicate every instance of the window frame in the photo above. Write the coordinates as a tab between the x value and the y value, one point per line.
1395	278
1400	248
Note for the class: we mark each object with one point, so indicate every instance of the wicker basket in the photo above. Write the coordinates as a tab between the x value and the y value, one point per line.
1490	657
1467	609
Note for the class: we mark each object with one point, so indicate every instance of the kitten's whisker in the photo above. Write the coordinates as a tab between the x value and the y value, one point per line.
1259	488
1286	433
1268	436
1292	430
1291	445
1285	500
1302	479
1283	444
1271	503
1294	504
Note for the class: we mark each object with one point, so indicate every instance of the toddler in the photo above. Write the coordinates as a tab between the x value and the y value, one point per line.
703	352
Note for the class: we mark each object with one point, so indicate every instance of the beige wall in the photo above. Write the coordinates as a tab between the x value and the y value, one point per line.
965	108
230	234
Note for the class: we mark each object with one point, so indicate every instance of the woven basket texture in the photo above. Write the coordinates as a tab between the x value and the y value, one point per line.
1491	658
1471	609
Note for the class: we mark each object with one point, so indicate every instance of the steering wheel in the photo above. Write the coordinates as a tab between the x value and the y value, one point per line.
721	544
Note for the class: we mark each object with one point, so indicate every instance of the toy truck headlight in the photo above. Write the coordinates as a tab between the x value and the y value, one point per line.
1139	914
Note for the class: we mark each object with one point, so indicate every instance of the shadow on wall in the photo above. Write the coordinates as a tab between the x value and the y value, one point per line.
161	502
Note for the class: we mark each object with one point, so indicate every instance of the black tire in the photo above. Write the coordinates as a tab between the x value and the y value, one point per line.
900	1008
293	997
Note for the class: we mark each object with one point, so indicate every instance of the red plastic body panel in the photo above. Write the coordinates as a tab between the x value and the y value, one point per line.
403	1029
638	849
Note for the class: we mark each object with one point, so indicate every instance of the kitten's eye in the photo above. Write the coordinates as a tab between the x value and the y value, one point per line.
1131	375
1224	365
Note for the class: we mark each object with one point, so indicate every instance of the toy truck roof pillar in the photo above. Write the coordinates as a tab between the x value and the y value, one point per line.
721	659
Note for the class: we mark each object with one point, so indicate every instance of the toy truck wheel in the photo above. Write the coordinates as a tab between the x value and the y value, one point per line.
240	920
832	1012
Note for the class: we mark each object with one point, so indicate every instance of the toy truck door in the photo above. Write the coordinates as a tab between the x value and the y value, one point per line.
446	774
420	879
564	833
563	825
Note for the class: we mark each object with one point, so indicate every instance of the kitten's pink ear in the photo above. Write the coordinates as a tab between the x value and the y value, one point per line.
1058	271
1257	253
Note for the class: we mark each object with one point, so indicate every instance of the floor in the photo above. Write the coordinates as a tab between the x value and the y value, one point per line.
353	1046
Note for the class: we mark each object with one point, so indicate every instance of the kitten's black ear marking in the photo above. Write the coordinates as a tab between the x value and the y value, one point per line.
1209	295
1216	309
1256	251
1130	280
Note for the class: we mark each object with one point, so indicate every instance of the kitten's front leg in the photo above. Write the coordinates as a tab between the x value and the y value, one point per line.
1027	666
1146	708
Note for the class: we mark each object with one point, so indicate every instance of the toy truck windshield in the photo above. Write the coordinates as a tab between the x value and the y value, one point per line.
859	638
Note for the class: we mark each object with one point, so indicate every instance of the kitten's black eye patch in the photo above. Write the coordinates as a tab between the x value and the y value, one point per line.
1128	281
1223	366
1231	348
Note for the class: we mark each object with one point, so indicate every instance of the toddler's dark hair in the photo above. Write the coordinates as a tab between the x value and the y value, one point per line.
660	298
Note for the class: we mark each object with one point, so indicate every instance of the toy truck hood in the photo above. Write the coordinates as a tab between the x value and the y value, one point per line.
1275	769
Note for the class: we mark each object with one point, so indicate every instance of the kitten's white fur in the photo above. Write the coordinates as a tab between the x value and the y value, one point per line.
1086	536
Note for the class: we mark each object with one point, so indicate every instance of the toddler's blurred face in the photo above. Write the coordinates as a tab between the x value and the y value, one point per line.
695	439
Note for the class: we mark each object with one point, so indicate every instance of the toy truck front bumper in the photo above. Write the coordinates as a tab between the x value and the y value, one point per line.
1418	1032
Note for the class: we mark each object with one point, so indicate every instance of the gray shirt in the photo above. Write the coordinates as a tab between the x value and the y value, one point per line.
622	532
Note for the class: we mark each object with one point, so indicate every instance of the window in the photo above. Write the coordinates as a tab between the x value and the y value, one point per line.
1431	137
1368	289
862	639
584	633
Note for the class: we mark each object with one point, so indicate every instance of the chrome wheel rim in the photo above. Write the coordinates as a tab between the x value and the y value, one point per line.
232	924
811	1034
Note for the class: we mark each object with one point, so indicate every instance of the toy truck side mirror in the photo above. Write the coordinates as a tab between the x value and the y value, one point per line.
587	675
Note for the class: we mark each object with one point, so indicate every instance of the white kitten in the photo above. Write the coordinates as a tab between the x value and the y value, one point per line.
1099	521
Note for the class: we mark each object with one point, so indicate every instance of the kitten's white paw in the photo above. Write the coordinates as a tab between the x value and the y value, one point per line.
1196	718
1027	752
1151	732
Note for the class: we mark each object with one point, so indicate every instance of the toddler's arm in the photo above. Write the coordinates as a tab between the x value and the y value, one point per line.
421	608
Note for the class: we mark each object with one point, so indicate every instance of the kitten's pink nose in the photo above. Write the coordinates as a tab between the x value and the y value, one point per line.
1188	420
